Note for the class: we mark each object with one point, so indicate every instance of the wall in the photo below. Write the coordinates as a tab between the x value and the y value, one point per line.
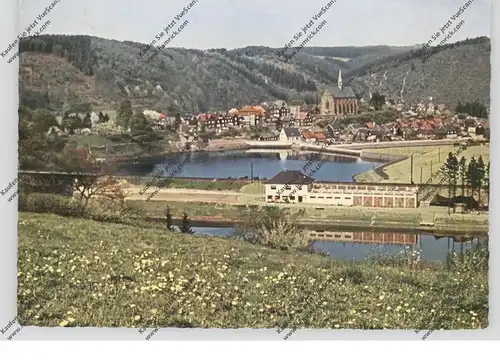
341	194
284	191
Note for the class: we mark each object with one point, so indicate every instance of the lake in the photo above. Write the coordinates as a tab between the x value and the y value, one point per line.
431	248
263	163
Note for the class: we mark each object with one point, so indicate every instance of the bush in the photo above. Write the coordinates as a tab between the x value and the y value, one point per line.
50	203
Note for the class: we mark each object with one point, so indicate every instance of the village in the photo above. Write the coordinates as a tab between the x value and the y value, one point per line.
339	118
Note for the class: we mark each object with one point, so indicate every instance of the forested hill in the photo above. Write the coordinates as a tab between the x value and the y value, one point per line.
77	72
455	72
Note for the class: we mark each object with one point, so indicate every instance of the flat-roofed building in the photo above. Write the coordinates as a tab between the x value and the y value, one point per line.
292	186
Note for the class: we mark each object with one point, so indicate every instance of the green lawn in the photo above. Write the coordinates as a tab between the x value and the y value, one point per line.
426	161
75	272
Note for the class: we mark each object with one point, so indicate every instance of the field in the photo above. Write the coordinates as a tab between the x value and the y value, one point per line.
426	161
74	272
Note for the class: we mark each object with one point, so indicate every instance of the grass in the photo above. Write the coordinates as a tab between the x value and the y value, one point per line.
224	185
75	272
426	160
359	216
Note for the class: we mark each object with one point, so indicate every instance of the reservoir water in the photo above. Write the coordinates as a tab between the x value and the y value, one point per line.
259	163
267	163
431	248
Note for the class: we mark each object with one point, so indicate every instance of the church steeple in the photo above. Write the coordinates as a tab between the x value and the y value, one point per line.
340	80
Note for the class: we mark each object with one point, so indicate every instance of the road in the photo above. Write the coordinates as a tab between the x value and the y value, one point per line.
188	195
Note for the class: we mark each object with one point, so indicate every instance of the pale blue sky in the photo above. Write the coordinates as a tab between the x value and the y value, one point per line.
239	23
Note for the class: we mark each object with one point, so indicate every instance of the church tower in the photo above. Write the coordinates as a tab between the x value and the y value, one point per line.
340	80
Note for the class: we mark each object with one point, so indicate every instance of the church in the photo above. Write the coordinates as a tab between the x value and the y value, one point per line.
339	100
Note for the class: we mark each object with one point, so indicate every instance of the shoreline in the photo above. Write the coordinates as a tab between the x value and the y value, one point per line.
452	228
354	149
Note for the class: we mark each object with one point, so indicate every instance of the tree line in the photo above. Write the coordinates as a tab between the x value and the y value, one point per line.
472	178
472	108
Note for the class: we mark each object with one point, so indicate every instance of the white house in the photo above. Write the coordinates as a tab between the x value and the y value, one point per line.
288	186
290	134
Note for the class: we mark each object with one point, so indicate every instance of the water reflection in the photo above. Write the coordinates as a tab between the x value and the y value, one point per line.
363	245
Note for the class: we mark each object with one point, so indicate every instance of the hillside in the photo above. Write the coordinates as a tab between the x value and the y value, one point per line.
75	272
73	72
457	72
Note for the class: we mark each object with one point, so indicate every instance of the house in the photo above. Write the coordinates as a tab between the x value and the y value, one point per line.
290	134
252	115
320	137
287	186
304	119
440	132
292	186
279	109
296	107
308	136
361	135
480	129
470	125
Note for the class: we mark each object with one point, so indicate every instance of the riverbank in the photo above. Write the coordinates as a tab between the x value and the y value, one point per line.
426	162
227	214
249	286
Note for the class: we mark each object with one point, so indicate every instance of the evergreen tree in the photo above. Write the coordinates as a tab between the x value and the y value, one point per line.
462	173
185	226
487	182
450	171
101	117
169	221
481	172
472	179
106	118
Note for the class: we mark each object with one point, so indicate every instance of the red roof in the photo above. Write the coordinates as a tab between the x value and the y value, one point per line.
308	134
319	136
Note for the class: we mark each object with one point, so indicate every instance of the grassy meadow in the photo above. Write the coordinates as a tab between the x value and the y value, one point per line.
76	272
427	158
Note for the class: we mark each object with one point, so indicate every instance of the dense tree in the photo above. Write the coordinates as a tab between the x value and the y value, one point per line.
473	109
377	101
43	120
124	115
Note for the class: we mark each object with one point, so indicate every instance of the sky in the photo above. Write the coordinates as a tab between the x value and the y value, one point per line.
239	23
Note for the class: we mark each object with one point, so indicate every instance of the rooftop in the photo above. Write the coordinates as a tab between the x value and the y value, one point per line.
290	177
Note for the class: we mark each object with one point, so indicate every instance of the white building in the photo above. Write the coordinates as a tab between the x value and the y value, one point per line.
292	186
290	134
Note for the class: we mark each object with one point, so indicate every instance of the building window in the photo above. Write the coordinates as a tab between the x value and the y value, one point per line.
348	198
320	197
270	197
292	197
328	197
337	235
287	187
273	187
312	197
337	197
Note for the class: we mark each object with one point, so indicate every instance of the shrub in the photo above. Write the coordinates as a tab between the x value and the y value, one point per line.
50	203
